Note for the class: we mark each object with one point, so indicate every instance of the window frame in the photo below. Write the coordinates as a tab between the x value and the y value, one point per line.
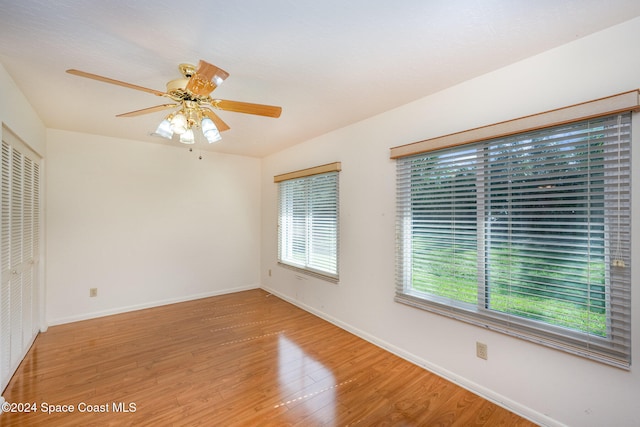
567	340
316	218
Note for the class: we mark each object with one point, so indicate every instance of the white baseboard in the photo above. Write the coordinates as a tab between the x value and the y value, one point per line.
151	304
490	395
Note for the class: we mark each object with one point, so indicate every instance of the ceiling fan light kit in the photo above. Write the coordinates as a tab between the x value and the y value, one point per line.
182	122
193	103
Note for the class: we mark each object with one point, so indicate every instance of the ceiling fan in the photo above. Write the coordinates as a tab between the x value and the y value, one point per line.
193	103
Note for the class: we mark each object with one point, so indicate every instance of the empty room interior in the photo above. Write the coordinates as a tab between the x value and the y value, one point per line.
320	213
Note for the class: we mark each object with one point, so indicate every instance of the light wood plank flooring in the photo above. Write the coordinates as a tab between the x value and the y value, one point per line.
243	359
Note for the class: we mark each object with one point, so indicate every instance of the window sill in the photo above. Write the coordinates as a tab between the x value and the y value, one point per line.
314	273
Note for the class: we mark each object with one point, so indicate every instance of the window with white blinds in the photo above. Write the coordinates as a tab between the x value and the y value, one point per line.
527	234
308	222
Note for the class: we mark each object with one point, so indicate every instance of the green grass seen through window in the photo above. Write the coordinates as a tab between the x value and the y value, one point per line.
522	290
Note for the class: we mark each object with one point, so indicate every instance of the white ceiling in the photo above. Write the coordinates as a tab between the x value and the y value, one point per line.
328	63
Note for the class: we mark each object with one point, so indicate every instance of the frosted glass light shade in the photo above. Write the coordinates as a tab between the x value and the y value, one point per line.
210	131
179	124
187	137
164	129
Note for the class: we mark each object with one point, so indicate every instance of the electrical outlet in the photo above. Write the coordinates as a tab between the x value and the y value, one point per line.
481	350
93	292
269	272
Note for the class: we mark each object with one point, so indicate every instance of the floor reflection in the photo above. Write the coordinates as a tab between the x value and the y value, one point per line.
306	385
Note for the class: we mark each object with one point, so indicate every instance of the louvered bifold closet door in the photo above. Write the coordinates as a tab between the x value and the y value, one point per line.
5	273
35	254
16	256
19	253
27	249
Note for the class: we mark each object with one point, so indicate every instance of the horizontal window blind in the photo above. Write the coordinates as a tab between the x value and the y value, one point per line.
308	224
527	234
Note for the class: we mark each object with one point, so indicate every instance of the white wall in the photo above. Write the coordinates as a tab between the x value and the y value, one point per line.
19	116
545	385
146	224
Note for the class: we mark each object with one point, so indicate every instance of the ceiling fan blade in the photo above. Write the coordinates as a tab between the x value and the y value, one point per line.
220	124
114	82
148	110
247	108
206	78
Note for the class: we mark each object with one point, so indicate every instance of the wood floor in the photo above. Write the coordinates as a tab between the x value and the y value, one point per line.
244	359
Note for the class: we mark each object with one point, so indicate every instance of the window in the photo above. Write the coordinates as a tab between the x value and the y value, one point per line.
308	220
526	234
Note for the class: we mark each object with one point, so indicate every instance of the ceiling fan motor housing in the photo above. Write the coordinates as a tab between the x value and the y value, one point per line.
177	85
